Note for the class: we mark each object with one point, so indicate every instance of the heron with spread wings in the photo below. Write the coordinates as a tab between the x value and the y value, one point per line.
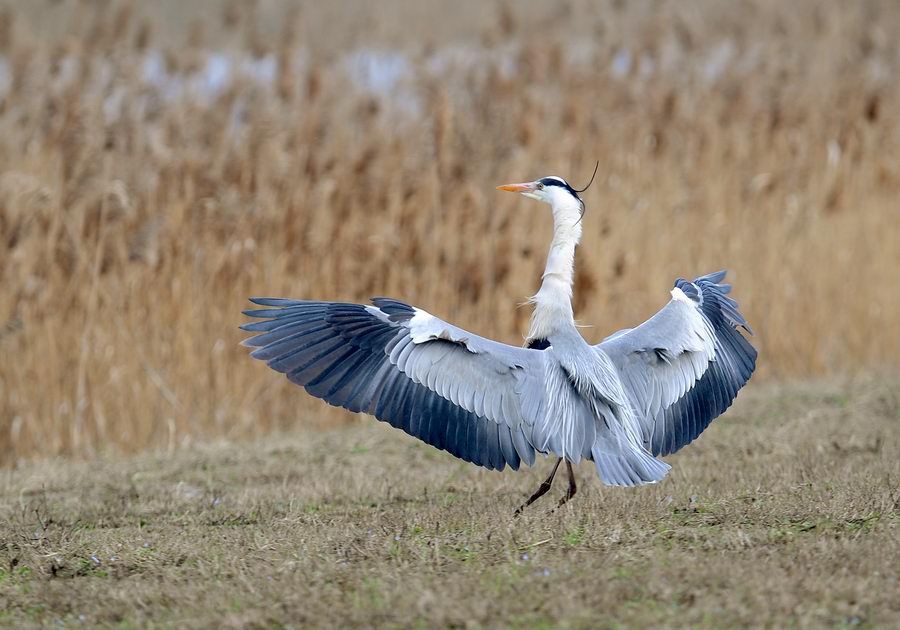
641	393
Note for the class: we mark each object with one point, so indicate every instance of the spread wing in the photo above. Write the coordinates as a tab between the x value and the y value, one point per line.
459	392
684	366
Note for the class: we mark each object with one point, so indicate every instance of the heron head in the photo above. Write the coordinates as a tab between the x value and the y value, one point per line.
553	190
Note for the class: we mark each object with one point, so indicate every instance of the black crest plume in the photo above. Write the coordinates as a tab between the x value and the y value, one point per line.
592	179
583	208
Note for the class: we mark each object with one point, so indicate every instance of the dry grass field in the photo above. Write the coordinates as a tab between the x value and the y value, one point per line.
162	161
785	514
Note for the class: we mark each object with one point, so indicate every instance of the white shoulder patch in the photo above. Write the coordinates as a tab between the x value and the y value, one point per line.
420	319
422	326
679	296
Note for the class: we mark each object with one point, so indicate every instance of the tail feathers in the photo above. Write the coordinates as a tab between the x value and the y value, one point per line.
626	464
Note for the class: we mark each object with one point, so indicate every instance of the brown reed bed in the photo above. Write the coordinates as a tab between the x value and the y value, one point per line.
154	172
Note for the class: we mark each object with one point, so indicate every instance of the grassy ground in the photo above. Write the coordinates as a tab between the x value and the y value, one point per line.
784	513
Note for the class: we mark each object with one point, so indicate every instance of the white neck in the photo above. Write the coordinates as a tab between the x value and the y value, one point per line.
553	301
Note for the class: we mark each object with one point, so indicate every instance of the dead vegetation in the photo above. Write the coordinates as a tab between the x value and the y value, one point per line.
159	165
784	514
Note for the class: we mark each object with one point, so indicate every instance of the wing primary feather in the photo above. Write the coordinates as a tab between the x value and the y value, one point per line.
523	448
507	448
416	411
306	357
321	381
337	393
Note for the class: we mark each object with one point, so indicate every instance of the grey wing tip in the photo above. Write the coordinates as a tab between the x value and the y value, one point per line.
396	310
715	277
267	313
280	307
690	289
727	306
270	301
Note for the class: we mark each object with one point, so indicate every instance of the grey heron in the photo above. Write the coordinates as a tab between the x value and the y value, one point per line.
640	394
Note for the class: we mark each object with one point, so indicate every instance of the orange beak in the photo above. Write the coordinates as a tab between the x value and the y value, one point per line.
517	187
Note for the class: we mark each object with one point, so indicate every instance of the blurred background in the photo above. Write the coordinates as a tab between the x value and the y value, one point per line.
161	162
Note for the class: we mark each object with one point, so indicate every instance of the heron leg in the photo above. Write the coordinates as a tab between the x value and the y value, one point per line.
573	488
542	490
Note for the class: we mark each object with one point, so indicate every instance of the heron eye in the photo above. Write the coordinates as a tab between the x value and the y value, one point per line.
540	186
